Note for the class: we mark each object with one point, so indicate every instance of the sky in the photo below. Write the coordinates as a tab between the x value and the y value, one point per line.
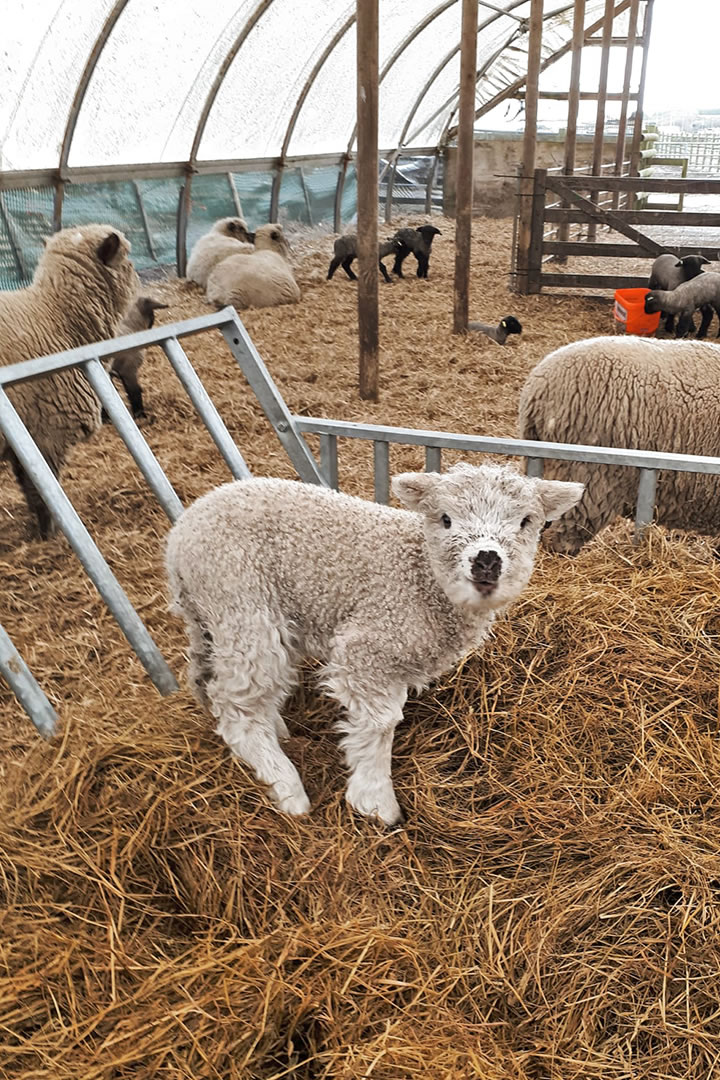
683	61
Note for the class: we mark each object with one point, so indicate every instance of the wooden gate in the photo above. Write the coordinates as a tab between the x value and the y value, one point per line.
578	202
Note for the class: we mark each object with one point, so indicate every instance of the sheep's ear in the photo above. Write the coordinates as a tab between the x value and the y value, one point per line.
679	263
558	496
251	237
108	249
412	487
155	305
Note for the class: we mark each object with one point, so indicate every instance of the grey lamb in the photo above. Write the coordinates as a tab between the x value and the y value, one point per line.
346	251
500	333
702	292
141	316
668	272
417	242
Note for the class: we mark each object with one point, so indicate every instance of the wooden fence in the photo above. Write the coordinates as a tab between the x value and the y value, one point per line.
574	206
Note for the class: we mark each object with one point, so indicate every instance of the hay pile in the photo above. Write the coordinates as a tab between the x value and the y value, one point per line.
551	910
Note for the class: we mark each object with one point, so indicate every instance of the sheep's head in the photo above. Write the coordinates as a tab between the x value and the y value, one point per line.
91	257
653	303
428	232
272	238
692	265
147	308
482	525
511	325
236	228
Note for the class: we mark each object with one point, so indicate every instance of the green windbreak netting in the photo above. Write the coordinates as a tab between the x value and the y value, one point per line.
147	210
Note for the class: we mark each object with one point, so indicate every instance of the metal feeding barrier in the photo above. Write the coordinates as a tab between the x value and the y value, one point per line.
290	430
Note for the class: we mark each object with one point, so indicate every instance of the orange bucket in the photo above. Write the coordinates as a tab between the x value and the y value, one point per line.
630	310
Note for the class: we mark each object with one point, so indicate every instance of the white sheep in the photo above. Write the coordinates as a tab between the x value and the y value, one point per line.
667	272
267	571
701	292
229	236
125	367
262	279
634	392
83	284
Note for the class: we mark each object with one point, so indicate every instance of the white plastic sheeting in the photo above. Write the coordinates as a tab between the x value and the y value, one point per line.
150	82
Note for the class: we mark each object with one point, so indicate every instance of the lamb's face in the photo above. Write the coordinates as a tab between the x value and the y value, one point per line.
482	526
272	238
236	228
652	303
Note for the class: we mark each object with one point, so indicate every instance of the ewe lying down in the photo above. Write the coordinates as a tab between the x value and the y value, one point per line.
266	572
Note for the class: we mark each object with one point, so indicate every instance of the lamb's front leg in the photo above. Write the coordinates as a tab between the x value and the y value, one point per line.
373	713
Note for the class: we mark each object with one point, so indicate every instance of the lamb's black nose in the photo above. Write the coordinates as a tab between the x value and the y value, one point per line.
486	566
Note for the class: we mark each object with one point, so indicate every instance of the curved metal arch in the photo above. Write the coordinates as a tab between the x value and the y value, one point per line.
80	92
309	82
394	157
219	79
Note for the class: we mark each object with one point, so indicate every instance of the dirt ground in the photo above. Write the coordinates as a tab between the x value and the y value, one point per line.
551	909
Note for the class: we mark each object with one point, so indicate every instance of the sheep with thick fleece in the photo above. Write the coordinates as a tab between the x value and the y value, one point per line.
83	284
229	236
261	279
668	272
634	392
125	367
701	292
268	571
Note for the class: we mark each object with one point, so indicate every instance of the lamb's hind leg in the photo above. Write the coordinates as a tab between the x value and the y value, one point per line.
374	709
253	673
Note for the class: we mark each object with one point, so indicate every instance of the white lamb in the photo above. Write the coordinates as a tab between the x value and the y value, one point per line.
267	571
229	236
262	279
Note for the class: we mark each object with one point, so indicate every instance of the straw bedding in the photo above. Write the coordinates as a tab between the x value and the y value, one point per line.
551	911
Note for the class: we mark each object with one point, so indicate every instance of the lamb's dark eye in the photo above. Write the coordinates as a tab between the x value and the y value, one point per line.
525	521
446	521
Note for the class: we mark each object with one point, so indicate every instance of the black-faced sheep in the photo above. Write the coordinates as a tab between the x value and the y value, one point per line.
83	284
417	242
229	236
345	249
701	292
668	272
267	571
141	316
634	392
262	279
500	333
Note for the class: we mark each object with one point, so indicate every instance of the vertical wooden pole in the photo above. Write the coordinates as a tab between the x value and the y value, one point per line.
464	175
637	130
627	82
578	39
529	143
367	182
599	137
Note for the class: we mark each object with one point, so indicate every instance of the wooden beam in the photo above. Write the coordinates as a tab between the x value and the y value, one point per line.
464	173
593	281
529	145
638	217
573	99
637	130
607	217
367	186
599	134
627	79
636	183
617	251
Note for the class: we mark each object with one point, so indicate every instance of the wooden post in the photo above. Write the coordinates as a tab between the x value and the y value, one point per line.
637	130
529	143
598	139
578	39
367	183
464	172
627	82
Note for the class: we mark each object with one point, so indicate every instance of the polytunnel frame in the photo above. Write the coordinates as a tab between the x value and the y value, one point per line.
63	175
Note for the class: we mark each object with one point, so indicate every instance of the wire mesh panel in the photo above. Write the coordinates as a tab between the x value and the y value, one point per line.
160	199
112	204
25	222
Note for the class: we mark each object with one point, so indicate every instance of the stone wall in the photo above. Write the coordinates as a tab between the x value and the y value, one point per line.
497	156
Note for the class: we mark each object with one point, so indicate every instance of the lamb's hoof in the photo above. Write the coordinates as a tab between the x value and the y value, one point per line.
293	803
375	802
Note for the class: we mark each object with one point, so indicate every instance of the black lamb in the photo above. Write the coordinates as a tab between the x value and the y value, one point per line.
346	252
418	243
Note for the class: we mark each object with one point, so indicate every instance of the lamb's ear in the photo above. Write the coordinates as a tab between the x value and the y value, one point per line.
558	496
108	249
412	487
